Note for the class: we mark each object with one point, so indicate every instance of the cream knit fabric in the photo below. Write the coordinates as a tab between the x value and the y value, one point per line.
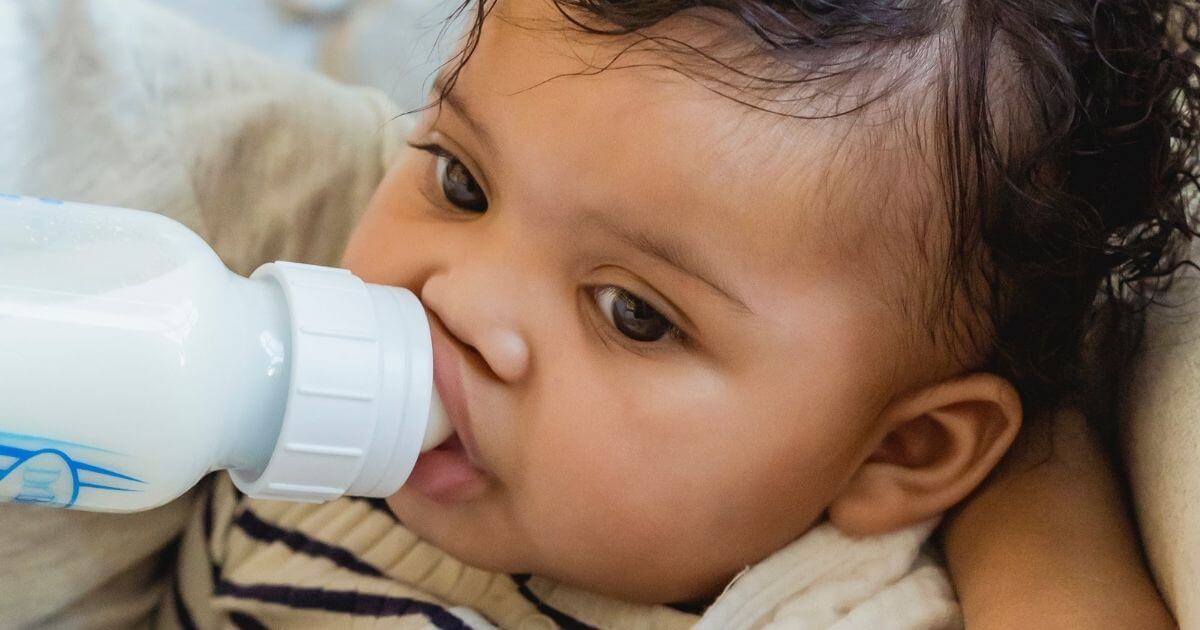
350	563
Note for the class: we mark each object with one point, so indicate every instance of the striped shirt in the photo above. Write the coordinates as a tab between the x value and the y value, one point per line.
349	563
246	563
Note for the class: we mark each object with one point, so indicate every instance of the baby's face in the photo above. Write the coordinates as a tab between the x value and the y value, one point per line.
653	335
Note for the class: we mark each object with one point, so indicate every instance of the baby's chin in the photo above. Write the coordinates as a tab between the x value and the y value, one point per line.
475	536
466	530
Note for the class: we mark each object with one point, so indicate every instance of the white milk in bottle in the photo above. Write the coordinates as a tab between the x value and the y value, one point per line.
133	362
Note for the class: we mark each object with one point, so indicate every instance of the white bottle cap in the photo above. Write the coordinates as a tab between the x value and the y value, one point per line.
361	403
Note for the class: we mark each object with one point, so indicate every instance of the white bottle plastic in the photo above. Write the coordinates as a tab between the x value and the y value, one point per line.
133	362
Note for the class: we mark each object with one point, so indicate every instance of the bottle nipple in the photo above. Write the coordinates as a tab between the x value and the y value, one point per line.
438	428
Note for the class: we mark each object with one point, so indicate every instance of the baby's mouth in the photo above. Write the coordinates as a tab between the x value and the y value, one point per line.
451	471
451	443
445	473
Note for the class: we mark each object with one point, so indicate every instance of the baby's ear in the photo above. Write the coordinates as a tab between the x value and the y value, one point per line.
940	442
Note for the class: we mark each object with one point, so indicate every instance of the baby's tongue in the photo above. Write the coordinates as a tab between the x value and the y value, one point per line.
444	474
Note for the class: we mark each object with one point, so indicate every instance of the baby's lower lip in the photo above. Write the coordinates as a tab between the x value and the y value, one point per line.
444	474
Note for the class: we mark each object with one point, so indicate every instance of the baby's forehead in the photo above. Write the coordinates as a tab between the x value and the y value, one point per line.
658	148
812	141
840	180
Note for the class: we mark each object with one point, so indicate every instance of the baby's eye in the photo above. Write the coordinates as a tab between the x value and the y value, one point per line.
459	186
632	316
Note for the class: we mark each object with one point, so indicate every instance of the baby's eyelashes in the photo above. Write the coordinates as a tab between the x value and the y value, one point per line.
633	317
454	181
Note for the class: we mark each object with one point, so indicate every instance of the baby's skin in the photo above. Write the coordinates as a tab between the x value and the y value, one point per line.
666	329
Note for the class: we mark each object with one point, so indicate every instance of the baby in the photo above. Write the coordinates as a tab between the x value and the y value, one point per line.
730	303
757	284
675	331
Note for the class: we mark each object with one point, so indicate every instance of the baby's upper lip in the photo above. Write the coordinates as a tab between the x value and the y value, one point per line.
447	378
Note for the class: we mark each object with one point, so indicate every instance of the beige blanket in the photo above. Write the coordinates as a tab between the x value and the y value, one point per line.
115	102
1163	445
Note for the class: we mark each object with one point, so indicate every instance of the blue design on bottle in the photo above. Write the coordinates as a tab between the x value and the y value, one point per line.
41	471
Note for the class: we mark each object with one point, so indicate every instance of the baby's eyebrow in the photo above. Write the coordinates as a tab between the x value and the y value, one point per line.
459	106
672	253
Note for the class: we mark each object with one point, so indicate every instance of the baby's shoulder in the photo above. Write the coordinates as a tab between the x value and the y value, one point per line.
297	564
285	564
291	564
353	535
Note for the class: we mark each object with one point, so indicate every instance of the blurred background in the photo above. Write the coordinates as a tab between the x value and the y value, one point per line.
392	45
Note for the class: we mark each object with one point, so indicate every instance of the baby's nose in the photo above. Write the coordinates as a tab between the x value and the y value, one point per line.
488	324
506	353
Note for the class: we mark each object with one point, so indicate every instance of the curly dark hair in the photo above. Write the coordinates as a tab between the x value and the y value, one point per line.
1076	226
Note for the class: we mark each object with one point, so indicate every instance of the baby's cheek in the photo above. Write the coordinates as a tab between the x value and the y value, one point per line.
595	493
584	485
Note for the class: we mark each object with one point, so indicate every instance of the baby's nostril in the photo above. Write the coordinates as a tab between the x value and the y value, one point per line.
450	444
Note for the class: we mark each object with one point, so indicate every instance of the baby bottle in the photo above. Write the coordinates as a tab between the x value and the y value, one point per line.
133	363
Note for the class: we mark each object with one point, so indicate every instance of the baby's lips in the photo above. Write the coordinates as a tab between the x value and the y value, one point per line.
445	475
447	377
